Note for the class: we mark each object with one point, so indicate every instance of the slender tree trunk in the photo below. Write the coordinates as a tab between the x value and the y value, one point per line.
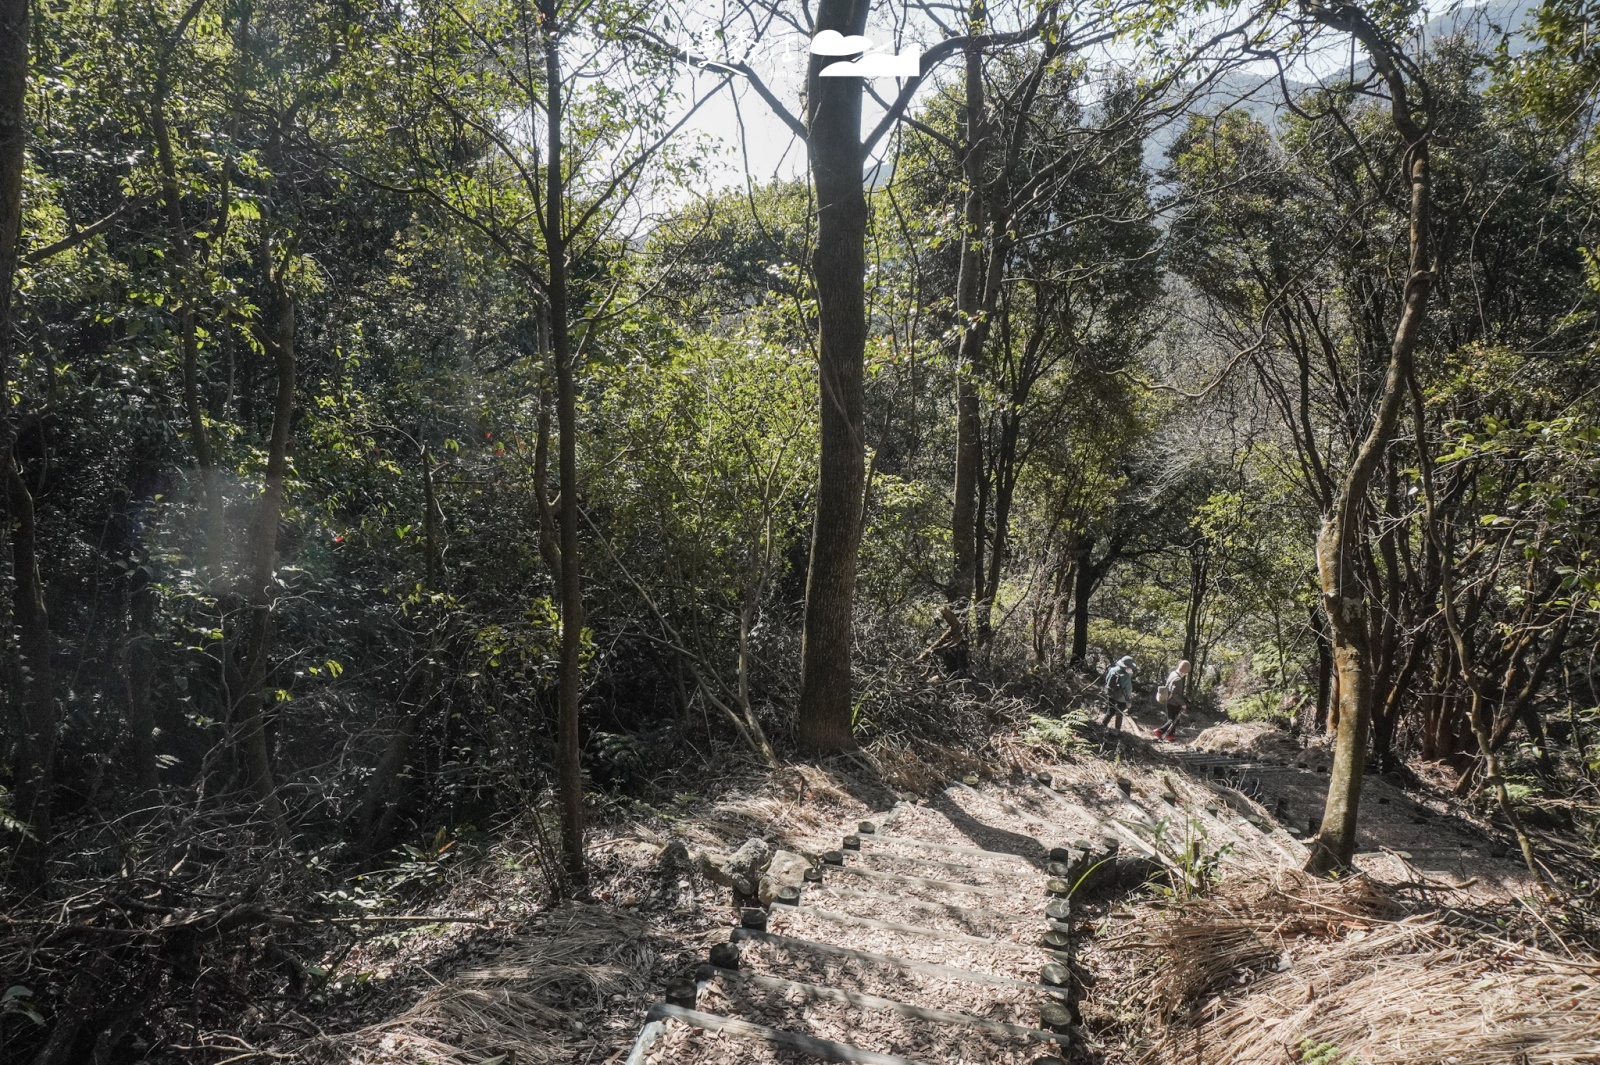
1339	542
1082	588
964	516
35	729
1199	585
1004	493
834	138
278	337
754	733
1319	629
1043	622
1438	731
549	549
570	670
1393	706
1061	613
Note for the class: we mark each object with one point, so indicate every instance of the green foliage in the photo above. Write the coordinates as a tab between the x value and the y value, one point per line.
1315	1053
1265	707
1178	370
1057	737
1152	652
1189	861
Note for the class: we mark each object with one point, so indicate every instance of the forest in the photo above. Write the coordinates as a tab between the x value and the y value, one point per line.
436	434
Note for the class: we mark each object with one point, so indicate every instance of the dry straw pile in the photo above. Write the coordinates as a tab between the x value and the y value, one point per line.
1293	970
534	1004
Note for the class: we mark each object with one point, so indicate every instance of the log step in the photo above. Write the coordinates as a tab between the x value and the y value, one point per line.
925	882
947	971
876	1002
821	1049
935	863
918	930
945	907
948	848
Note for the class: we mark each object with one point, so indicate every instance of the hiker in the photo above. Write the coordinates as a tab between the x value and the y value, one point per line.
1171	694
1119	690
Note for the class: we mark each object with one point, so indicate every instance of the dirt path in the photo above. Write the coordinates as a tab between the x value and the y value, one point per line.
937	935
924	936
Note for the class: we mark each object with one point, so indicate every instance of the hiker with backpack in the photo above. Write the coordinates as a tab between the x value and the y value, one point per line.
1171	695
1118	690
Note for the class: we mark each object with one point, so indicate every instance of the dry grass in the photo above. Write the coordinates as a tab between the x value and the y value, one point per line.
800	801
1296	970
923	768
1207	943
529	1003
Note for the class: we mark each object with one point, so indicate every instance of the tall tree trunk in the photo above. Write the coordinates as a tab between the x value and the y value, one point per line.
1438	733
1083	583
1199	585
1004	492
570	670
834	139
1319	629
964	515
1339	542
278	337
35	728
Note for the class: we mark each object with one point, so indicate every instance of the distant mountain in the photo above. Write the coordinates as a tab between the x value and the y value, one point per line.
1261	96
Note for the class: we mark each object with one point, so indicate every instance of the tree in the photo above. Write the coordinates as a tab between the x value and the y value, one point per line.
837	151
1344	601
32	674
534	170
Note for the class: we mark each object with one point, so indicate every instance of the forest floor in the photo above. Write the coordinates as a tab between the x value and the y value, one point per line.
571	982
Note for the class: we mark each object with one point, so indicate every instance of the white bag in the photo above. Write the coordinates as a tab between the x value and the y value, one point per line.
1163	694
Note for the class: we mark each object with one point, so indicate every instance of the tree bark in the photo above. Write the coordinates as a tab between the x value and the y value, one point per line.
964	517
834	140
1005	485
1083	583
1199	585
278	337
35	729
1319	628
569	772
1338	547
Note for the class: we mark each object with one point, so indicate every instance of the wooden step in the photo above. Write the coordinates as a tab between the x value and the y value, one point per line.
875	1002
947	848
939	866
921	930
821	1049
947	971
923	882
944	907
